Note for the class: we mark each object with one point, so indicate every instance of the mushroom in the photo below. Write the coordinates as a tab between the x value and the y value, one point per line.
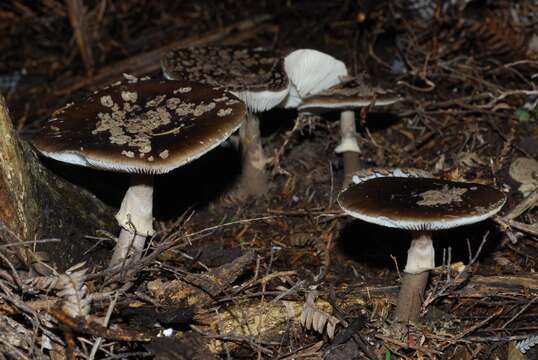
525	171
346	96
404	199
144	128
310	72
256	76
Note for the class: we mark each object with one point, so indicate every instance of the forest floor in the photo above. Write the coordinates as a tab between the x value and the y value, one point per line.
231	280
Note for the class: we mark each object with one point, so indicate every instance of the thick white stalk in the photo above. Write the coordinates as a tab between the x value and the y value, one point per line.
136	219
421	254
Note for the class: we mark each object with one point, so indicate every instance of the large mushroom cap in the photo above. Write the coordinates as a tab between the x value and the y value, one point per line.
351	93
420	203
256	76
141	126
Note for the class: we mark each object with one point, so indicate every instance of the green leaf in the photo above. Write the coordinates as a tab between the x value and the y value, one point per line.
522	115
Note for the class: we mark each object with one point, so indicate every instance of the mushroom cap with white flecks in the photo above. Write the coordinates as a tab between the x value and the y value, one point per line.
414	203
256	76
146	126
310	72
351	93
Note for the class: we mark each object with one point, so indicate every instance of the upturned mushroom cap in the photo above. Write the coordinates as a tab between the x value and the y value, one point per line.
256	76
141	126
310	72
352	93
420	203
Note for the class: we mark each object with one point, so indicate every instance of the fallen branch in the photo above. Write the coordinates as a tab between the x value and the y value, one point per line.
147	62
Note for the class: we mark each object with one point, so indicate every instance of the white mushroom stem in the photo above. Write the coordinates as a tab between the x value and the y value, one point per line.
349	147
421	254
136	219
253	180
420	260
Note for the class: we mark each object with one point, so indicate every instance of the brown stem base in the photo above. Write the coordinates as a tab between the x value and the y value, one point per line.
410	297
351	165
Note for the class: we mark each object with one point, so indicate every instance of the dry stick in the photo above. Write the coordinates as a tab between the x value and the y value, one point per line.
529	202
473	328
97	343
150	61
140	263
520	312
443	290
406	345
508	220
77	18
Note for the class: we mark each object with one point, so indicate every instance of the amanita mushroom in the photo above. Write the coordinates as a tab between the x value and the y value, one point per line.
143	128
256	76
310	72
347	96
402	199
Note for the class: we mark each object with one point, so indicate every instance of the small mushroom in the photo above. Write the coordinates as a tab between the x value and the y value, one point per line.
256	76
525	171
403	199
347	96
143	128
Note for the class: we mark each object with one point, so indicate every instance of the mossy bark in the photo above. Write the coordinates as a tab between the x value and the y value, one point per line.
36	204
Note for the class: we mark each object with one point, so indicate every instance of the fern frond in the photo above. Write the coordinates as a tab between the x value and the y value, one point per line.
313	318
527	344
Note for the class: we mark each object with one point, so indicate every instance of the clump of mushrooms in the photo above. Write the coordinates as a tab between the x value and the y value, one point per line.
411	200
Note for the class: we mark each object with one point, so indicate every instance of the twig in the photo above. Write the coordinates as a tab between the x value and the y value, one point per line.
443	291
77	18
406	345
150	61
520	312
106	320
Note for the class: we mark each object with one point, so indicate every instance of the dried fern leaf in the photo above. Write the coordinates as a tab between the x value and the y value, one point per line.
312	318
76	300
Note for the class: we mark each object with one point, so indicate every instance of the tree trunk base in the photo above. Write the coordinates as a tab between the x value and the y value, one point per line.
36	205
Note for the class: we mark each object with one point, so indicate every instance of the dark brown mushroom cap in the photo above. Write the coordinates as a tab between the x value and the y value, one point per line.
420	203
351	93
141	126
236	68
